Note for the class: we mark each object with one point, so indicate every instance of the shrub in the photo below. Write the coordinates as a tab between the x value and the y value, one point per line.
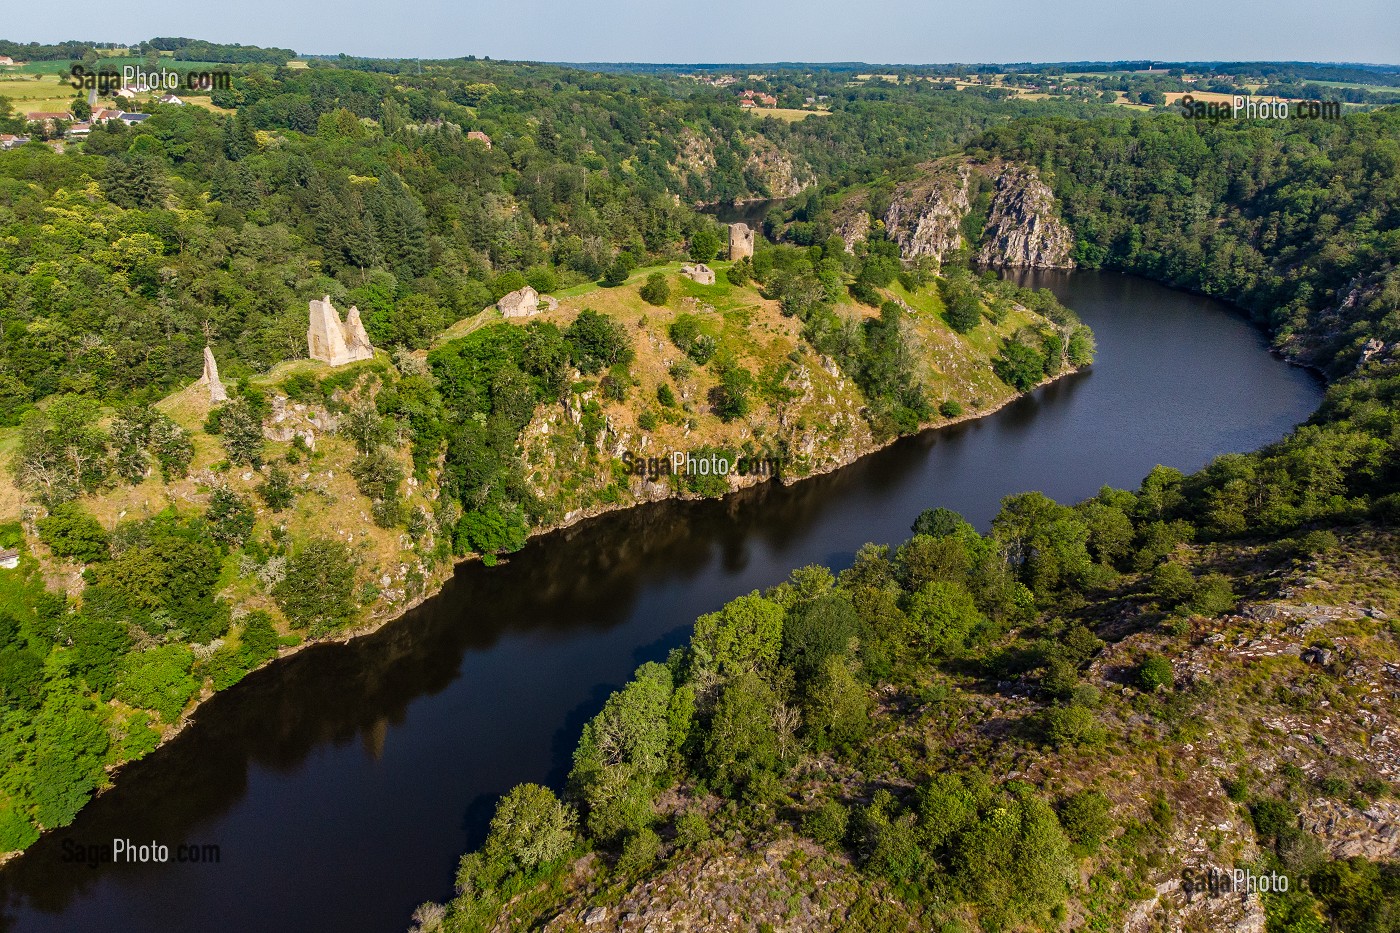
1067	726
950	409
827	823
1212	596
1085	817
158	679
640	850
1154	671
230	517
692	828
277	489
655	291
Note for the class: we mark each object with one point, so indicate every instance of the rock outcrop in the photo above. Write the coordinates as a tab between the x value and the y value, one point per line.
775	169
1022	229
740	241
217	392
927	216
332	341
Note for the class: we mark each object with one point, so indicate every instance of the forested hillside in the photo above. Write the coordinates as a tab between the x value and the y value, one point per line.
170	543
1072	721
1298	223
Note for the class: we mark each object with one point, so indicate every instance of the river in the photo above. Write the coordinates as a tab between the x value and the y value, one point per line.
341	785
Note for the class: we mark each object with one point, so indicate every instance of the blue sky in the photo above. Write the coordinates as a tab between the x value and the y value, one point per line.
731	31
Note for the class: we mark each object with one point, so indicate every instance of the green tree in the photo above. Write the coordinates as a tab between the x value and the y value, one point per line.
230	517
72	533
656	291
704	244
318	589
530	829
597	342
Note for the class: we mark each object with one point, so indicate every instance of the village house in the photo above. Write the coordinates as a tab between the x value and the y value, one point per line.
131	119
102	115
6	60
10	141
49	118
79	130
9	560
171	99
480	137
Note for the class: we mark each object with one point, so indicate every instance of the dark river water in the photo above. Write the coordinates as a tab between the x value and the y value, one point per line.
342	785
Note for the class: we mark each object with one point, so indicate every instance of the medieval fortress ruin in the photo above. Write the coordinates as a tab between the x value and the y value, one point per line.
740	241
331	341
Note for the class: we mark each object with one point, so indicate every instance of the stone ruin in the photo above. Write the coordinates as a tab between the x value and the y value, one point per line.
699	273
524	302
740	241
217	393
333	342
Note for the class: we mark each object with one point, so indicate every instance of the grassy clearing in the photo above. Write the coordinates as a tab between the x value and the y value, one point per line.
789	114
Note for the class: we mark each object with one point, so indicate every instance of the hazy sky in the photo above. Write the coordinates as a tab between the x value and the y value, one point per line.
905	31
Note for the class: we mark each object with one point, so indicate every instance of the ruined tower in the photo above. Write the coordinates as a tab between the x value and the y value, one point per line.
740	241
333	342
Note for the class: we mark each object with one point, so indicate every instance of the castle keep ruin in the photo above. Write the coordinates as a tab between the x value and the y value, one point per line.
740	241
333	342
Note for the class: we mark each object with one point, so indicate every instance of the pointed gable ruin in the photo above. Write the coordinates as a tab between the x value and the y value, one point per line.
331	341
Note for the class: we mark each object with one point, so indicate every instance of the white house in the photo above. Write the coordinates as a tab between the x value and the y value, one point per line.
9	560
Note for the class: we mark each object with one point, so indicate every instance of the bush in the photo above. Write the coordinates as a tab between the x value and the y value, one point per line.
1068	726
665	395
277	490
692	829
655	291
827	823
1154	671
158	679
640	850
72	533
1085	817
950	409
1213	596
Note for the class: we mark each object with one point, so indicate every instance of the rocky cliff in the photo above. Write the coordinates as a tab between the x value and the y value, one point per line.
928	215
1022	228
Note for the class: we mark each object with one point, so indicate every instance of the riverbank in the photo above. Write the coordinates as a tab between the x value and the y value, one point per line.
808	406
404	737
